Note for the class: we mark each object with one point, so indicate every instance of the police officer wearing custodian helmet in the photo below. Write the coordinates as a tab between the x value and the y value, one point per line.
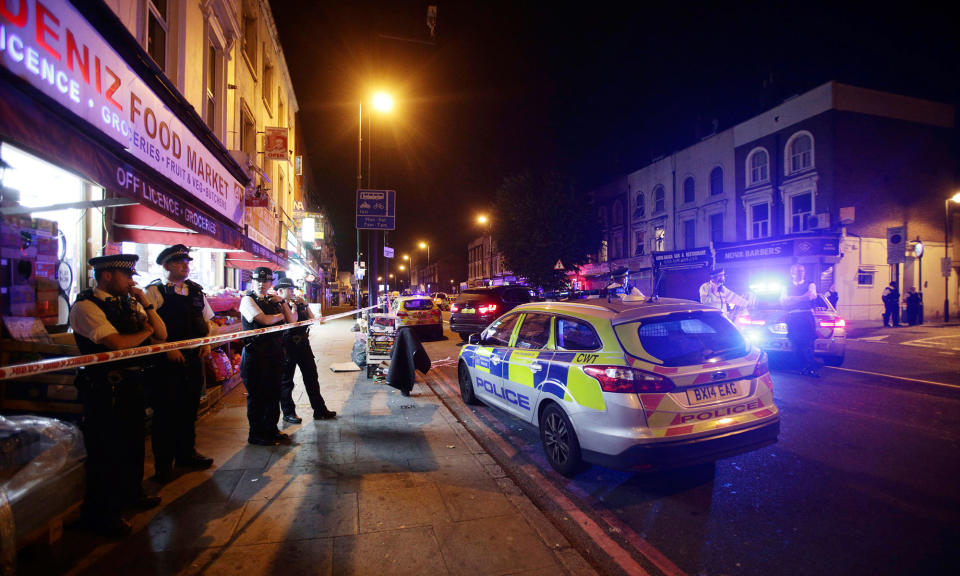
297	352
114	316
176	384
262	358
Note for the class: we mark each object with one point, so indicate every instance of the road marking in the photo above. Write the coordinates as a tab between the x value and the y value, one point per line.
872	338
894	377
621	556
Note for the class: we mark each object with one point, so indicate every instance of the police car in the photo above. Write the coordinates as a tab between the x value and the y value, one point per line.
630	383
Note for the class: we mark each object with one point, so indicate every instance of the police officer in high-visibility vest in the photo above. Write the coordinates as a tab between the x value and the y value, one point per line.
176	384
263	358
296	344
114	316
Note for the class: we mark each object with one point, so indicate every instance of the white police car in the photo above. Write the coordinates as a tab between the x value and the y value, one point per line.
644	384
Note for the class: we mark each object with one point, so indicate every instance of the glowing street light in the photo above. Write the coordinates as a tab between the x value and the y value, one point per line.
383	102
424	245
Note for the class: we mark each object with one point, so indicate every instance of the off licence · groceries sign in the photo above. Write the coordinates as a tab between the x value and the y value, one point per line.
51	46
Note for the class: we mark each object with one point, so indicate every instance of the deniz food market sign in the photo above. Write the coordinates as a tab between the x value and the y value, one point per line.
51	46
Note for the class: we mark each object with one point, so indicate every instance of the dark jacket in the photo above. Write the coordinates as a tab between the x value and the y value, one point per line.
408	356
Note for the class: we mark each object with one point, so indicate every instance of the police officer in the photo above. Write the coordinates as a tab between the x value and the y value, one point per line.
262	356
114	316
297	352
798	299
176	385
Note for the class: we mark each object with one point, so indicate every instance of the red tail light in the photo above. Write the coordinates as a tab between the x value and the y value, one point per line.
454	308
747	321
838	323
763	366
401	314
628	380
487	308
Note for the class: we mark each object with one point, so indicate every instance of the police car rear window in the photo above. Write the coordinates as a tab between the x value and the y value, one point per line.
418	304
683	339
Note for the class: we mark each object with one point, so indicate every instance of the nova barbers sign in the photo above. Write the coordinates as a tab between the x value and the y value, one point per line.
52	47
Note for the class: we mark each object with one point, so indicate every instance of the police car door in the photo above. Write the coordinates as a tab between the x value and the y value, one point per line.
527	365
490	363
577	344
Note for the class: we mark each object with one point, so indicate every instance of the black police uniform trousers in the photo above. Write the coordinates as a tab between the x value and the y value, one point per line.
299	353
113	434
259	370
802	333
174	394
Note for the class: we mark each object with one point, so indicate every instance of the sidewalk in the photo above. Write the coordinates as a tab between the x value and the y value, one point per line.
860	328
393	486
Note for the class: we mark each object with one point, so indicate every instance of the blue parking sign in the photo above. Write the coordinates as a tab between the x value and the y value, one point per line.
376	209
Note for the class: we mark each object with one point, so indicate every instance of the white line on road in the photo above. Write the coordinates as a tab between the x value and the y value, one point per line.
894	377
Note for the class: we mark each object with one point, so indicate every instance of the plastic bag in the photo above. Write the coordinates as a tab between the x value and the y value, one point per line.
220	365
359	354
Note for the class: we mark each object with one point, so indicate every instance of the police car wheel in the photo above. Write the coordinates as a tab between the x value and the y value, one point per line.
466	385
559	441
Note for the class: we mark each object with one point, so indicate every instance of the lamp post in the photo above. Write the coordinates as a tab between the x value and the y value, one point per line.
946	254
382	102
485	220
426	246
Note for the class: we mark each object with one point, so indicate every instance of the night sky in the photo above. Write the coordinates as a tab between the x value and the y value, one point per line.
593	90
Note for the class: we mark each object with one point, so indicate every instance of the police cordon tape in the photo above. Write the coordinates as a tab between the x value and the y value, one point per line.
54	364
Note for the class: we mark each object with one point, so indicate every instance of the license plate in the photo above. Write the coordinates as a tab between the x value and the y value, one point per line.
468	311
715	392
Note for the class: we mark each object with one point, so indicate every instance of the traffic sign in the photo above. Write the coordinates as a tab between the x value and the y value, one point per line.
896	245
387	252
376	209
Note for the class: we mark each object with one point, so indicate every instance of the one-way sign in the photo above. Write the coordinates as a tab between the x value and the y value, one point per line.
376	209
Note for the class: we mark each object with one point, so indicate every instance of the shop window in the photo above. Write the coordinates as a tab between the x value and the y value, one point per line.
758	165
156	32
689	192
801	206
638	242
640	211
760	220
800	152
865	278
689	234
659	199
659	238
716	228
716	181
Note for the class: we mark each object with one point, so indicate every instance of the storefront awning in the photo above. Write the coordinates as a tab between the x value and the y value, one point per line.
255	255
145	226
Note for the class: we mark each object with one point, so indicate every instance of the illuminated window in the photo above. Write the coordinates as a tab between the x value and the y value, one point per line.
759	166
603	251
689	193
660	235
659	199
716	181
799	152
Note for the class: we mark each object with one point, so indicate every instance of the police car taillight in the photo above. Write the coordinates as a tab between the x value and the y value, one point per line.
838	323
628	380
763	366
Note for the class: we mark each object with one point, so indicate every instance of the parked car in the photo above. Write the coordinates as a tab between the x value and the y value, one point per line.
475	308
635	384
420	313
764	323
442	300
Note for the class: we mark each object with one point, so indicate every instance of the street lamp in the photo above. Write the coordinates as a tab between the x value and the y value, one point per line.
381	102
484	220
946	254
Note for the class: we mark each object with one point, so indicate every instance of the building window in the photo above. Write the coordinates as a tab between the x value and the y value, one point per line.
638	241
716	181
603	251
214	86
800	152
689	234
267	86
760	220
659	199
801	206
640	211
865	278
689	192
617	213
716	228
617	251
660	235
758	165
250	41
248	134
156	32
602	214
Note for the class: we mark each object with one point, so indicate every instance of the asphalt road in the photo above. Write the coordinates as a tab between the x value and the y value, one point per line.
865	478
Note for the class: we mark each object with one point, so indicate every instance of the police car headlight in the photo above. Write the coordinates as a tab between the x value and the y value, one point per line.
624	380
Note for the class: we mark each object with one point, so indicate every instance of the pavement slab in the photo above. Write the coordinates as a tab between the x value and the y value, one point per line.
406	552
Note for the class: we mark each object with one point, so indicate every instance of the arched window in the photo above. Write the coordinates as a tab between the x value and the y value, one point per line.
659	199
716	181
602	214
758	167
689	190
640	210
799	152
617	213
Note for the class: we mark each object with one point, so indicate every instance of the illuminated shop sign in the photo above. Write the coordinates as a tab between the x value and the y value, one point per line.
51	46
